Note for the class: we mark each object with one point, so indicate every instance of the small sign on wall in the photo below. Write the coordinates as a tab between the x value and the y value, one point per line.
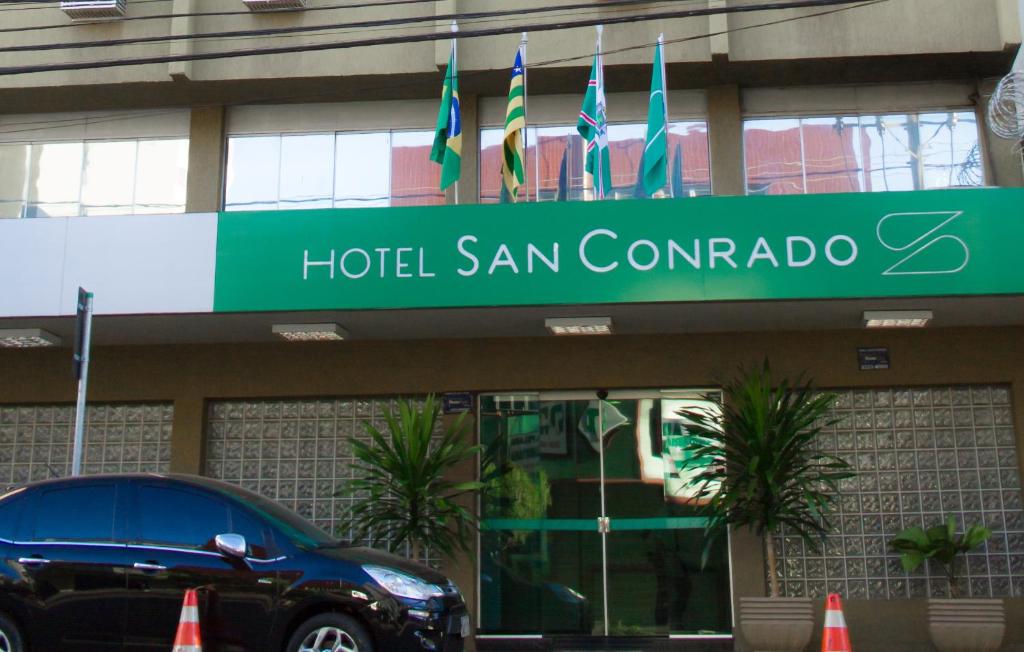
871	358
457	402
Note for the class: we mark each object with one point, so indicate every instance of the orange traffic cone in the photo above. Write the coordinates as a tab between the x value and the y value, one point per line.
188	638
835	638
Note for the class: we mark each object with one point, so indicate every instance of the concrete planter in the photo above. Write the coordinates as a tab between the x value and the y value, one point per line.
777	624
966	625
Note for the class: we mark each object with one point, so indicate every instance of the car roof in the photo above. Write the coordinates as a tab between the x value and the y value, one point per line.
182	478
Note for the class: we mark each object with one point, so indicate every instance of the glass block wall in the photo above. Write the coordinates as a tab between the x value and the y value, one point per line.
921	455
296	452
36	441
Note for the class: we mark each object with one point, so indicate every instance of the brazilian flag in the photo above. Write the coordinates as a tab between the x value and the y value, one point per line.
447	150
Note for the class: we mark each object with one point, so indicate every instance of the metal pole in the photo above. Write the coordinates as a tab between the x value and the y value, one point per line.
83	381
455	64
526	124
599	188
603	524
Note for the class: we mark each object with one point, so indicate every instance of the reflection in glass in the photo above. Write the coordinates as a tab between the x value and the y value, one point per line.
13	177
362	174
55	180
555	159
109	178
306	171
162	177
862	153
253	173
415	179
541	568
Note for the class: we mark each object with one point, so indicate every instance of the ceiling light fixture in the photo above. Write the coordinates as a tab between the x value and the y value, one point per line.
579	325
27	338
310	332
897	318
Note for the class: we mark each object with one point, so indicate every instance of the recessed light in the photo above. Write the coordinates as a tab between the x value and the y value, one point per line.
897	318
579	325
309	332
26	338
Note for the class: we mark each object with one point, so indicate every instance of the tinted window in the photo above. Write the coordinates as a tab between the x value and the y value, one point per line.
252	530
10	508
177	517
297	529
76	514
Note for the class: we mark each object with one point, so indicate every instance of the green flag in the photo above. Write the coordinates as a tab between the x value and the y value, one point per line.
656	148
447	148
593	127
513	172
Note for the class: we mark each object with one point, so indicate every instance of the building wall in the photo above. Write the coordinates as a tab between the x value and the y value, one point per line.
190	376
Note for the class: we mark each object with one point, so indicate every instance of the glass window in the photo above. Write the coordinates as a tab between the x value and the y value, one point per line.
415	179
362	170
75	514
555	158
109	178
306	176
253	173
253	531
55	180
182	518
914	151
114	177
343	170
10	510
162	176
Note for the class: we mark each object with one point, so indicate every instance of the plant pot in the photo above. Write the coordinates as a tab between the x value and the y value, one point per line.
966	625
777	624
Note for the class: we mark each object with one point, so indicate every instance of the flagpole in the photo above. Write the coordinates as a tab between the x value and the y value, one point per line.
599	188
526	124
455	63
664	92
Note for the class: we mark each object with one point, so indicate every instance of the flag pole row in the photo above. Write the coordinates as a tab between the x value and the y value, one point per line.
592	127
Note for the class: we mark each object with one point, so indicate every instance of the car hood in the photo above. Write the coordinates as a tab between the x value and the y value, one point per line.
362	555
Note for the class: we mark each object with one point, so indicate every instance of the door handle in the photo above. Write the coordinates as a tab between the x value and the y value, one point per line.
33	561
149	568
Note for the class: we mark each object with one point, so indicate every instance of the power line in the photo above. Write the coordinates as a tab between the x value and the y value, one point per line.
301	29
198	14
120	116
418	38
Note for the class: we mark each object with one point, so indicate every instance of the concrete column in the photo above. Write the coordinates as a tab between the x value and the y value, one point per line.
206	160
725	133
188	435
182	24
1002	159
469	184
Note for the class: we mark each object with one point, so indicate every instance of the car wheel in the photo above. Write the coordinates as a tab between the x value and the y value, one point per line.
10	637
332	632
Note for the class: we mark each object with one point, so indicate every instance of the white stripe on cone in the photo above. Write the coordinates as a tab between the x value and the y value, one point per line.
189	615
835	619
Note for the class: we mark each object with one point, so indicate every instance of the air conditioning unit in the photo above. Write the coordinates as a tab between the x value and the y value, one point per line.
94	9
274	5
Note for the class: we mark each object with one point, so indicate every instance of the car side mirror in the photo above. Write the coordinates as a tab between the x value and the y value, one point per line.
232	545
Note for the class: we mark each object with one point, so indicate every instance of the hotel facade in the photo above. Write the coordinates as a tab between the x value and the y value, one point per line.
826	162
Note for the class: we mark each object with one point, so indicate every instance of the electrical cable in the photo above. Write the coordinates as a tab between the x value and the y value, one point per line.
422	83
234	12
419	38
303	29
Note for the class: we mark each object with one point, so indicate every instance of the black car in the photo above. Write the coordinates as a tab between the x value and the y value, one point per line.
103	562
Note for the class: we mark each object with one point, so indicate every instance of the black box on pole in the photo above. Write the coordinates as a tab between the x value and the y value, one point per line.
76	360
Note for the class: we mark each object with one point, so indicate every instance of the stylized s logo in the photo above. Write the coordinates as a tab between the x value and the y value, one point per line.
944	254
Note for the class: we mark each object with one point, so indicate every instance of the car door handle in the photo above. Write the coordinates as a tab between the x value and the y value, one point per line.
149	567
33	561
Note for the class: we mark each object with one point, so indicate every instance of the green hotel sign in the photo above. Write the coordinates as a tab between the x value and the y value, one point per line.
933	243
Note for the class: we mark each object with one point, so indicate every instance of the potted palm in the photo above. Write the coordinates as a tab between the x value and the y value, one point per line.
402	477
956	624
761	470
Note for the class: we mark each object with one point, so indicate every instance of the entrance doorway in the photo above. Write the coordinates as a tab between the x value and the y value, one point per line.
588	527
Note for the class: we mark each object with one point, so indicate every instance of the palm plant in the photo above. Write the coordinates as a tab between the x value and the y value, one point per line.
405	496
759	465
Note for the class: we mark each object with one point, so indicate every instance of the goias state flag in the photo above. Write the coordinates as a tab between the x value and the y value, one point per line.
447	150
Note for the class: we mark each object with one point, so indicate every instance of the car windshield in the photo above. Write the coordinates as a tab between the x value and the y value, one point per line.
298	530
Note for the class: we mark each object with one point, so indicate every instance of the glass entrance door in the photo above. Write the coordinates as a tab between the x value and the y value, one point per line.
588	529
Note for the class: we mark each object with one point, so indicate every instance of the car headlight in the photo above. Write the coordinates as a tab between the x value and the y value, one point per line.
401	584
